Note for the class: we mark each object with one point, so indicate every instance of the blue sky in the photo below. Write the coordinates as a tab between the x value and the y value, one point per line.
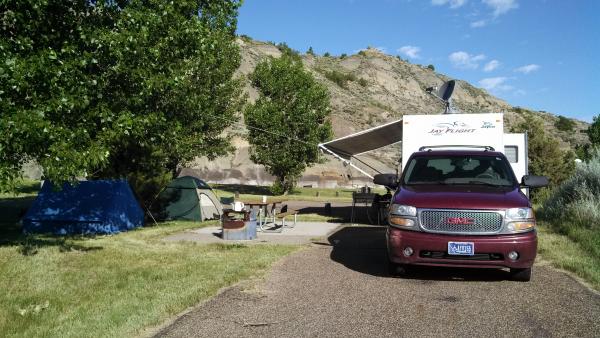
539	54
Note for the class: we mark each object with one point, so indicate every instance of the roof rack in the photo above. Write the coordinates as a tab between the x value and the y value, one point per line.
430	148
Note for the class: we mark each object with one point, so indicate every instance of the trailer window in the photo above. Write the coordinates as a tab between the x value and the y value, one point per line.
512	153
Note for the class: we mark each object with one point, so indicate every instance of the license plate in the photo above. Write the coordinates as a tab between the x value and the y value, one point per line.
461	248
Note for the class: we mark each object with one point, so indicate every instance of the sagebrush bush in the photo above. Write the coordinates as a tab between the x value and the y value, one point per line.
564	124
341	79
577	200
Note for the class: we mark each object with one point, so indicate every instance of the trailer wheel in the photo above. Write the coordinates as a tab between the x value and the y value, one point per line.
520	275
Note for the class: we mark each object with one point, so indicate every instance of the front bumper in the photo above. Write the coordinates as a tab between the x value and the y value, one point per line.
490	251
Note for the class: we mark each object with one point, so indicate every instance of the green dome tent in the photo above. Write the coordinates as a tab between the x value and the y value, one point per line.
187	198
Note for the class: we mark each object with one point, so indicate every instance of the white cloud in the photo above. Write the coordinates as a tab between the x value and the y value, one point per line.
410	51
490	66
453	3
520	92
528	68
464	60
501	6
478	23
495	84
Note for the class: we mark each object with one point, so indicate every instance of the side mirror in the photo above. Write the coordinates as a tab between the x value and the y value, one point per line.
387	180
533	181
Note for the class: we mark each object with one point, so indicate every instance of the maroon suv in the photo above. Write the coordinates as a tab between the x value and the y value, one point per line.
462	209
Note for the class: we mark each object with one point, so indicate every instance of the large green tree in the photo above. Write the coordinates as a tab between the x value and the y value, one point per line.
546	157
115	88
593	131
288	120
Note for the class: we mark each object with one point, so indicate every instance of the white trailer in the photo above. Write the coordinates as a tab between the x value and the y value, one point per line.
416	131
464	130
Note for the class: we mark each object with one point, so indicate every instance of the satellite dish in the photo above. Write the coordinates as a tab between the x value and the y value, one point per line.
446	90
444	93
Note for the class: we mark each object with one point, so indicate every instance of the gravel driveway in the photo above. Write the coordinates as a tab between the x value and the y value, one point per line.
341	288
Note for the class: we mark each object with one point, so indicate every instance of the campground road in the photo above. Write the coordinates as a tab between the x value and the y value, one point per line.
341	288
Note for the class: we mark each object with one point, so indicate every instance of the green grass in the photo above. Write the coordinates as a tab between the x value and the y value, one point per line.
255	193
577	252
111	285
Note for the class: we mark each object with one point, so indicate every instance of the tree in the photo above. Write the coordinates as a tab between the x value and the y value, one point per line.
431	67
115	88
294	110
310	51
593	131
546	158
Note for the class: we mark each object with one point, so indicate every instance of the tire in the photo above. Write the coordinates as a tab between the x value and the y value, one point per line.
520	275
398	270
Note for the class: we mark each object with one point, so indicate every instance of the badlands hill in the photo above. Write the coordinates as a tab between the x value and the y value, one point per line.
367	89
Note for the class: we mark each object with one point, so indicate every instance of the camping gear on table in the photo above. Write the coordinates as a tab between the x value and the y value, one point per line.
86	207
187	198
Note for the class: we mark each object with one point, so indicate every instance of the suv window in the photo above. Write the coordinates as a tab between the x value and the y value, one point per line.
459	169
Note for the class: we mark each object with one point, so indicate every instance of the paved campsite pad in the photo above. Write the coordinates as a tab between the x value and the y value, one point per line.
344	290
302	233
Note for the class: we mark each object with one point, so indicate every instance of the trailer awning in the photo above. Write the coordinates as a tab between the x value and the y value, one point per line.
366	140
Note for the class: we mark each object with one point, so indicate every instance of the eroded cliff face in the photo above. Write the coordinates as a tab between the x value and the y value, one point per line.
390	89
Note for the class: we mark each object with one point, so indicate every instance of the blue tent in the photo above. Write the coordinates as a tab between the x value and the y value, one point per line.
88	207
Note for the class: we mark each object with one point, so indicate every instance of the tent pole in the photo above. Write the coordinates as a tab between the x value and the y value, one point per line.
344	160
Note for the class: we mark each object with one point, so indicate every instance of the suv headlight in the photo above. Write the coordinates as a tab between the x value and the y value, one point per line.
403	216
519	220
403	210
519	213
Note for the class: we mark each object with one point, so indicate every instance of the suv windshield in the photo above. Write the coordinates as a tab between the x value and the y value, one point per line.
459	169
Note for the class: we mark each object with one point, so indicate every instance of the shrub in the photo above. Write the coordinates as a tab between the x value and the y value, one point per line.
326	54
362	53
310	51
343	56
287	50
577	200
431	67
341	79
362	82
564	124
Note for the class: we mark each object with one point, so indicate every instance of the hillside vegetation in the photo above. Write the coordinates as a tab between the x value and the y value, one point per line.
368	89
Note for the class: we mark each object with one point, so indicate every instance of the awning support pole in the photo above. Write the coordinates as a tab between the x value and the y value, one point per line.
344	160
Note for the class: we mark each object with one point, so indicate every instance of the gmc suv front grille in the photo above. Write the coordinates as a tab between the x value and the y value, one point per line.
461	221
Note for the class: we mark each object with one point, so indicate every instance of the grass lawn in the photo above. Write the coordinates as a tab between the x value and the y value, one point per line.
255	193
110	286
578	252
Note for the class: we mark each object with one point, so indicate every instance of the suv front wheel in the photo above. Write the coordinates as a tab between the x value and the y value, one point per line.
397	270
520	275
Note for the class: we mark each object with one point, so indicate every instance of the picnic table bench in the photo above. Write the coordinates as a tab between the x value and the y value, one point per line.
282	215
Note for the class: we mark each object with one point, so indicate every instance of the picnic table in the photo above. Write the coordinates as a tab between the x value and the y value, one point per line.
263	212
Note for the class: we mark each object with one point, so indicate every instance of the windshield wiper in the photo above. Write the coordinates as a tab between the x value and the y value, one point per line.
427	183
487	184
